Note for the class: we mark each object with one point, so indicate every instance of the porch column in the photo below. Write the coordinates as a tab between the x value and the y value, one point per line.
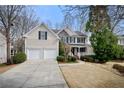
76	40
70	51
79	52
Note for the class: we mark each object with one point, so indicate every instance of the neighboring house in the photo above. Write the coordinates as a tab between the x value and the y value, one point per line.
121	40
41	43
3	49
78	41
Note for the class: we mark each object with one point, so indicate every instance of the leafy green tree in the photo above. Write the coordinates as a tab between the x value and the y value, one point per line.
61	49
104	44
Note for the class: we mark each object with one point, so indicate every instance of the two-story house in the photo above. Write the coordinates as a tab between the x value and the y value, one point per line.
42	42
78	41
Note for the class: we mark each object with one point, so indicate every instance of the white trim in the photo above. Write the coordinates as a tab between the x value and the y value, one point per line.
26	35
50	30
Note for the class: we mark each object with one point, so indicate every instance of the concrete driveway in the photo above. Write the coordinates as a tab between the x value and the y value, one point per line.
33	74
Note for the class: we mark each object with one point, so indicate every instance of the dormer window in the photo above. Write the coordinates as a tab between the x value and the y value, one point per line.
42	35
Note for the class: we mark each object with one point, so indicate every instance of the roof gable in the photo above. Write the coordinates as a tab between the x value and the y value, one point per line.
34	29
68	31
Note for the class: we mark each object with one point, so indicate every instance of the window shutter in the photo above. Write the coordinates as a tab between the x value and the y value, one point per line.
45	35
39	35
74	39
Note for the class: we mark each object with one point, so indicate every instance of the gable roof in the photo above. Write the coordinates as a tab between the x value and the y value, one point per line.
72	33
80	33
55	30
26	35
68	31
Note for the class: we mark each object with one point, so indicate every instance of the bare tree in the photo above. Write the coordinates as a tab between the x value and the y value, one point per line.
8	15
79	15
116	14
68	21
24	23
48	23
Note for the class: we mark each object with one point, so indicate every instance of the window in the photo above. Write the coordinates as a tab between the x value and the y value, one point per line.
83	49
82	40
67	39
63	39
74	39
78	40
42	35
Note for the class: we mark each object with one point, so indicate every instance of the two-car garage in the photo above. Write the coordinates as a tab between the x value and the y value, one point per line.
41	43
41	54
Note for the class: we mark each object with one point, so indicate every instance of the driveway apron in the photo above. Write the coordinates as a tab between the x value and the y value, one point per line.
34	74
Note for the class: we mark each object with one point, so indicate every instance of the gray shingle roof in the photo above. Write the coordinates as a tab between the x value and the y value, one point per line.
55	30
80	33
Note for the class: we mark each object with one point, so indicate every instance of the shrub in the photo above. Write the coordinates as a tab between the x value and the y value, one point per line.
60	58
19	58
118	67
61	49
119	53
88	58
71	58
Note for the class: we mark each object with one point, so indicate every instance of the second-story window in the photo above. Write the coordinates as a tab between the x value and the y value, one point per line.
78	40
42	35
82	40
66	39
74	39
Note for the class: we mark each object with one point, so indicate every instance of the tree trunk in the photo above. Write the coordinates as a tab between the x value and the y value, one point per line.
99	17
8	46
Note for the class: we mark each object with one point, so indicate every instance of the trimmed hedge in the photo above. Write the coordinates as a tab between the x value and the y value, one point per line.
88	58
118	67
71	59
60	58
91	58
19	57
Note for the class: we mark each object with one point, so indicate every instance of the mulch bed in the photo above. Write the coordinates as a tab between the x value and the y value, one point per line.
5	67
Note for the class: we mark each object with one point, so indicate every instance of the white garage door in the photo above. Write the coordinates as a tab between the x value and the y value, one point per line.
33	54
50	54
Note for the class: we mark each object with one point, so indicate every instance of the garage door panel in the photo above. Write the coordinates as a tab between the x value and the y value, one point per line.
33	54
49	54
40	54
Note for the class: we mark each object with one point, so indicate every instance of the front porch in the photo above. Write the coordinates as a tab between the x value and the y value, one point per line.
78	51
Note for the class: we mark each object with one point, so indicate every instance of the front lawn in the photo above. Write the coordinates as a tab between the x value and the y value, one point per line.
92	75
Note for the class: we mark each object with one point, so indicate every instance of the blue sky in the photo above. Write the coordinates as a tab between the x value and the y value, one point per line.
50	13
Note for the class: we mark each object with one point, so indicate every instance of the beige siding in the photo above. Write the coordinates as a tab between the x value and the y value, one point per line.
32	40
2	49
89	50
